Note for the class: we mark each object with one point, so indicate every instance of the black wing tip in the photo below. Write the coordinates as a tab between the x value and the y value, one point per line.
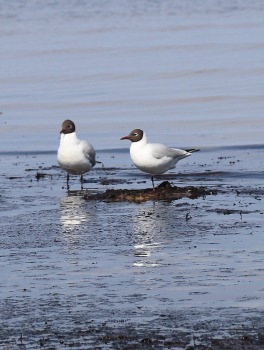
192	150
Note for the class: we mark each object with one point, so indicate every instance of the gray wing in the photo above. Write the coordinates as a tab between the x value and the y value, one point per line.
89	153
159	151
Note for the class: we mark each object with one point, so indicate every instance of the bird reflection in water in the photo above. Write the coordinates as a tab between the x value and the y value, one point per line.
72	213
148	227
74	217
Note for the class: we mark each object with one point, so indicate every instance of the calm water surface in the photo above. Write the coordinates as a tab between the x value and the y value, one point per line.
190	73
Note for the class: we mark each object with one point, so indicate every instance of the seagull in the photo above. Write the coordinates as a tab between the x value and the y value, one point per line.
74	156
153	158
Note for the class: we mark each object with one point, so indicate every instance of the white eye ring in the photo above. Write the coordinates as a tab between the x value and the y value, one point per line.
135	134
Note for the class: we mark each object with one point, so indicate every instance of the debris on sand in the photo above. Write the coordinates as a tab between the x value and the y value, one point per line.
165	191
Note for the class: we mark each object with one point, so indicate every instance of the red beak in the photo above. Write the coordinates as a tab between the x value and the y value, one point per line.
125	138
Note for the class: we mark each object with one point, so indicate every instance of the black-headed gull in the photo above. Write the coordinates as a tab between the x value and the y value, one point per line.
74	156
153	158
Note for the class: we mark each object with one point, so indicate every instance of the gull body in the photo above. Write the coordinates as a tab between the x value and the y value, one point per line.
153	158
75	156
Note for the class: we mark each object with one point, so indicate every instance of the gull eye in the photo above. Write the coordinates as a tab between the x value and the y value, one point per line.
135	134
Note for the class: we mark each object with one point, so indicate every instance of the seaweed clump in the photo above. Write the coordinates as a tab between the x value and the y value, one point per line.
165	191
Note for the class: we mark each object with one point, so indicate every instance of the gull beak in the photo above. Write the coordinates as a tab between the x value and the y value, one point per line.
125	137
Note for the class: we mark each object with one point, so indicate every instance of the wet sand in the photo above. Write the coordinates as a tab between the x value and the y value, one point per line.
180	274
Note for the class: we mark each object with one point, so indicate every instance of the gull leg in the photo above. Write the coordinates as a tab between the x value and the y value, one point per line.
81	179
68	178
152	180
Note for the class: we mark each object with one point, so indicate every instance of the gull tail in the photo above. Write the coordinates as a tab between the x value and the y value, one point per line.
192	150
97	162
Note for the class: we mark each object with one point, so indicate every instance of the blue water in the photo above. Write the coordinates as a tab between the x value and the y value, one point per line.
190	73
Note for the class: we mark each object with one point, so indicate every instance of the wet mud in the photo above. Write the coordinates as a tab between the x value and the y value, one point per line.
103	336
120	266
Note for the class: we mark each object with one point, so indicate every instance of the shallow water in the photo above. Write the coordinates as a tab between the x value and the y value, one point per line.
74	272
